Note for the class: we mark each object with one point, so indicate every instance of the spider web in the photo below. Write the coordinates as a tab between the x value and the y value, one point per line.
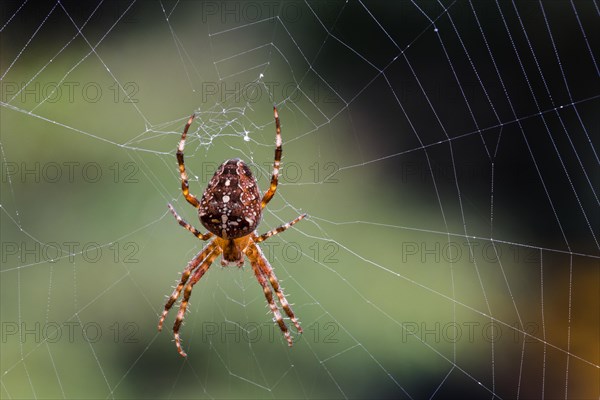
445	152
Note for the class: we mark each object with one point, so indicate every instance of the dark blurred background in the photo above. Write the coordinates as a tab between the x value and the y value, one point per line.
445	152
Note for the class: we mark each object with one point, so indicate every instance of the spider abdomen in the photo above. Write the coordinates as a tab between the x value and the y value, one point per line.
231	204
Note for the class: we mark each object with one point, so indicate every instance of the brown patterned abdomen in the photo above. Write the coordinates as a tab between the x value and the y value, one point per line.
230	206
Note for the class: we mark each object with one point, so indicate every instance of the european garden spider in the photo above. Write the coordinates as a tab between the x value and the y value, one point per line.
230	208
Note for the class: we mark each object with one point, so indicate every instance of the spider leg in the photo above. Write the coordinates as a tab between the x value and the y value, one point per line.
269	295
195	232
277	230
187	293
185	275
267	270
262	270
278	151
185	187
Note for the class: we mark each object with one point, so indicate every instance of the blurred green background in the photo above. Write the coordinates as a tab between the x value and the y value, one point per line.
446	253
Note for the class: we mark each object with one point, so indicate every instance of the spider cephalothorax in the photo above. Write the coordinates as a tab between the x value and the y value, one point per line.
231	209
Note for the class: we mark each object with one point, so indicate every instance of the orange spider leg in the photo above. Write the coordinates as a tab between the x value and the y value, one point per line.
187	293
185	187
278	151
277	230
262	280
185	275
195	232
263	270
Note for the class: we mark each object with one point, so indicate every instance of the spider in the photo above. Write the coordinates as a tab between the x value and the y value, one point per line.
230	209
